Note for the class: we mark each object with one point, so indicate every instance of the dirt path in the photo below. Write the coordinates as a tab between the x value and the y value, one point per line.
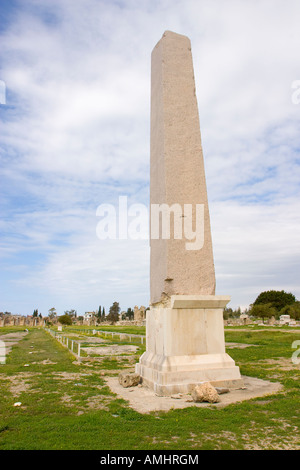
11	339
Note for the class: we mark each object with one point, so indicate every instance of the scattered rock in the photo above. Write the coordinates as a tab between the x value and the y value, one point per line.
177	396
189	400
222	390
18	403
205	392
46	361
129	380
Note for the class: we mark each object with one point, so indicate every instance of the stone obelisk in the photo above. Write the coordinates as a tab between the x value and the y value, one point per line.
177	170
184	327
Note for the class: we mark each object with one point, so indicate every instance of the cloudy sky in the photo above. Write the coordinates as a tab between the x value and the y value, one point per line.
74	134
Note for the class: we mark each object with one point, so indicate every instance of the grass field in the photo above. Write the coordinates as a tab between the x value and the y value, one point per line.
67	405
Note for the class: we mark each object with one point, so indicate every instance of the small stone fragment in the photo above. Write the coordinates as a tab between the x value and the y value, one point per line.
177	396
129	380
205	393
221	390
189	400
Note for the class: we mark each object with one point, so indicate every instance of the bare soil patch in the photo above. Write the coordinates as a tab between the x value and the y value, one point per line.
111	350
282	363
70	376
44	362
239	345
11	339
19	383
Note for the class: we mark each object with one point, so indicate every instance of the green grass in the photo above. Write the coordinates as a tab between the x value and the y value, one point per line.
67	405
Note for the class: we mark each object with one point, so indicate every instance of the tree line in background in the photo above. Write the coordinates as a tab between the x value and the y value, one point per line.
70	316
269	304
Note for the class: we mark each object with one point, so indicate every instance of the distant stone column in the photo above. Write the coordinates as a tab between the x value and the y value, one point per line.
185	342
135	312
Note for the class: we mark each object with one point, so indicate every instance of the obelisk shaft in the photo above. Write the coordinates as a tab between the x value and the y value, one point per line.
177	173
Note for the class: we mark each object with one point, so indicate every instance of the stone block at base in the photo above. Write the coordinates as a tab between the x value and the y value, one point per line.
186	347
180	374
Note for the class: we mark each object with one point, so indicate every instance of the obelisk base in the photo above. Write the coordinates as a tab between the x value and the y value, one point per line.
186	346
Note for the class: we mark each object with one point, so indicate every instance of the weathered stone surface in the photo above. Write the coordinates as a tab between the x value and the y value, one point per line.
177	173
185	342
185	347
139	313
205	392
129	379
177	396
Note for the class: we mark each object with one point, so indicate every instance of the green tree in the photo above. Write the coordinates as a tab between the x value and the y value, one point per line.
226	313
292	310
278	299
52	313
130	314
35	313
72	313
263	311
103	314
114	311
230	313
65	319
99	314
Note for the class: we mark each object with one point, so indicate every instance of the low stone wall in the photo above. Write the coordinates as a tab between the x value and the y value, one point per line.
18	320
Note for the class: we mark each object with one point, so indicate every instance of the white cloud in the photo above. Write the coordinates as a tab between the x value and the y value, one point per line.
75	134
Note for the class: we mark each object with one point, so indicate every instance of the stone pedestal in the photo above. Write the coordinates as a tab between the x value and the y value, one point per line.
186	346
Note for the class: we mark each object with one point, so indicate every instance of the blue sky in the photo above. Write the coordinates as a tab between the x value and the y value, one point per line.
74	134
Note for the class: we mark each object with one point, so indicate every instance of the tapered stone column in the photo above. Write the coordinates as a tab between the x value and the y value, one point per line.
177	170
184	327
